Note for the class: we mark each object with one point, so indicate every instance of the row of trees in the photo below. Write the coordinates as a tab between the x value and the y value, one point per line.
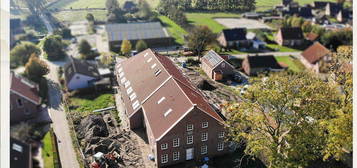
126	46
292	120
221	5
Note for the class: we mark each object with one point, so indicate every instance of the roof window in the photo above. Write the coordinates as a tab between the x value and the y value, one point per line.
162	99
167	112
122	80
135	105
153	66
132	96
149	59
129	90
157	72
127	84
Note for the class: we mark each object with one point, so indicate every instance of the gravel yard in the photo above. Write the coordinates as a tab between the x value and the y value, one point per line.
247	23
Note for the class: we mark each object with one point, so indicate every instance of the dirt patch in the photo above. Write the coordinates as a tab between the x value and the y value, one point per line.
99	133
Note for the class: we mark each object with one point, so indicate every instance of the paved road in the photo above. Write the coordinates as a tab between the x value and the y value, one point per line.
295	54
60	124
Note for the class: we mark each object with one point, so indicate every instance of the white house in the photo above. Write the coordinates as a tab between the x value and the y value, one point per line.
80	74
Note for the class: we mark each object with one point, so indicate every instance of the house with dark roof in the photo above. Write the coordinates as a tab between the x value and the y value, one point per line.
20	154
344	15
129	6
253	65
291	36
16	26
215	66
332	9
305	12
25	102
151	32
314	55
286	2
233	38
80	74
179	123
319	4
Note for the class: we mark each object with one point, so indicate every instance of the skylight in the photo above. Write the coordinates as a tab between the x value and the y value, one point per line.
167	112
149	59
162	99
120	70
153	66
146	54
132	96
122	80
129	90
135	105
157	72
126	84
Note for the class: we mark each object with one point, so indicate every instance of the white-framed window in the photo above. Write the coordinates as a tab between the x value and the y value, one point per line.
176	142
204	136
220	146
122	80
164	158
162	99
190	139
221	134
176	156
19	103
189	127
157	72
204	149
164	146
132	97
129	90
204	124
153	66
127	84
149	60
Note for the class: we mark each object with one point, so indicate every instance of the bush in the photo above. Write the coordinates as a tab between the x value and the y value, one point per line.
21	53
141	46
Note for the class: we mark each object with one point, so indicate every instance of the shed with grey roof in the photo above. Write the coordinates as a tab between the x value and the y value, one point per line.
151	32
215	66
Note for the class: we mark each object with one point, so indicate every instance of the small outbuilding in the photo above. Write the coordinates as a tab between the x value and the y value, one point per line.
215	66
313	56
253	65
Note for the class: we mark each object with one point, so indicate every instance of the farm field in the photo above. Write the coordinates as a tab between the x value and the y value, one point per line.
208	19
175	30
75	4
67	16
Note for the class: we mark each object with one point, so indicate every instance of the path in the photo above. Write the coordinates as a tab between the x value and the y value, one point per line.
60	125
295	54
47	23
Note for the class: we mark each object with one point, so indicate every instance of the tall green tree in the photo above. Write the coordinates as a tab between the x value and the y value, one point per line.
334	39
144	10
53	47
199	38
280	118
141	46
125	47
90	17
36	69
21	53
84	48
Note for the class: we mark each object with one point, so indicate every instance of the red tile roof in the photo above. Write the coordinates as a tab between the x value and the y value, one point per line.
312	36
170	86
315	52
25	88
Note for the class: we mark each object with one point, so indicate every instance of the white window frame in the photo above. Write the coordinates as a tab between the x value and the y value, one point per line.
205	124
164	158
220	146
153	66
221	134
164	146
129	90
204	149
127	84
176	142
204	136
176	156
190	139
132	96
188	127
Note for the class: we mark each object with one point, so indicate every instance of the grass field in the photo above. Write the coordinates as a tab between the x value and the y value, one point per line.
208	19
281	48
88	103
68	16
75	4
175	30
292	63
47	151
268	4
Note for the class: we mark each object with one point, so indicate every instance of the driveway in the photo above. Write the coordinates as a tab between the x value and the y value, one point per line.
294	54
247	23
60	125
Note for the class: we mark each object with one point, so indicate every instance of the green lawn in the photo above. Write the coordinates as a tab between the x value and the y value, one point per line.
292	63
282	48
268	4
86	104
72	16
75	4
175	30
208	19
48	151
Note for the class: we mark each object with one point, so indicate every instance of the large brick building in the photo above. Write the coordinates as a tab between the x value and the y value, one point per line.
179	123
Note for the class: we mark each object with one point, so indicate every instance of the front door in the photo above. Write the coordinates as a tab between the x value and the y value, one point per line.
189	154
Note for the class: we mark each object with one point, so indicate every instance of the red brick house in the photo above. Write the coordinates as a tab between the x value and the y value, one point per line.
233	38
292	36
25	102
312	56
215	66
253	65
179	123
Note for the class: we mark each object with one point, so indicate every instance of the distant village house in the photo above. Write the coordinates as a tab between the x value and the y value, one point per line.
290	36
313	56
